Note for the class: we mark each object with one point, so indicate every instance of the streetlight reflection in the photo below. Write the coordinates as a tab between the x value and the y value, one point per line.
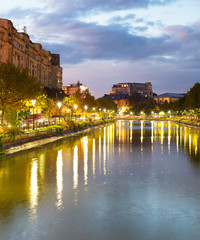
85	140
75	168
59	178
34	186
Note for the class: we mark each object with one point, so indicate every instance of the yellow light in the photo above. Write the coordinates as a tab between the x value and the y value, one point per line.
33	102
59	104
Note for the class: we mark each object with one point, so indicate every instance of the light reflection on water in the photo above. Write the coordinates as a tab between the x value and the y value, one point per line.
59	179
129	180
34	188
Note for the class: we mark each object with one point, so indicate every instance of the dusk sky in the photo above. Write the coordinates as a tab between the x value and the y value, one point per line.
102	42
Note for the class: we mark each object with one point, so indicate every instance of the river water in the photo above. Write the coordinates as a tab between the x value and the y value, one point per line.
127	180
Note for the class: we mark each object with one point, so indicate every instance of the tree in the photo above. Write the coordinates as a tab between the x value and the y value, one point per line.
135	98
68	106
48	106
107	103
146	106
82	98
192	98
16	86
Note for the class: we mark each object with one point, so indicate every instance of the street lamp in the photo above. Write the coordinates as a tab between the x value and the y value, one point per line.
85	107
75	107
33	103
59	106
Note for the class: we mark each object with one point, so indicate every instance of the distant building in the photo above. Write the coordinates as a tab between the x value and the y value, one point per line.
17	48
72	88
121	101
120	93
169	97
144	89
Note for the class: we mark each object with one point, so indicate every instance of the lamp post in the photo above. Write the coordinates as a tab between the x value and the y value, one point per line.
59	106
33	103
93	114
75	107
85	107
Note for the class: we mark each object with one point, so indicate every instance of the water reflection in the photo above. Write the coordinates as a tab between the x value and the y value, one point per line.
75	168
129	169
93	157
131	131
104	151
177	138
152	135
169	136
85	142
59	179
100	154
34	186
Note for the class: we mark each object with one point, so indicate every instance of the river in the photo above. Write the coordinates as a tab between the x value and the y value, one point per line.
124	181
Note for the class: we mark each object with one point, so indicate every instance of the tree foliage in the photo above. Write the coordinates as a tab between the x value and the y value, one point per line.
82	98
48	106
192	98
16	86
107	103
135	98
146	106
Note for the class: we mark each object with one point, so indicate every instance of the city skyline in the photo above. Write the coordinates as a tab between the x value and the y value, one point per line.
102	43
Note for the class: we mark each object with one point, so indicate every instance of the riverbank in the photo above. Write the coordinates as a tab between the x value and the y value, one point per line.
37	139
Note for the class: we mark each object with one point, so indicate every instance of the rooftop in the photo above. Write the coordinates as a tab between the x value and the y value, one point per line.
175	95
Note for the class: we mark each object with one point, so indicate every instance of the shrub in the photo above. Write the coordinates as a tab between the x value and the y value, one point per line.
11	131
1	147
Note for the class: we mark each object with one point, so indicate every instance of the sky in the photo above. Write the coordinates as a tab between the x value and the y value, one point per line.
104	42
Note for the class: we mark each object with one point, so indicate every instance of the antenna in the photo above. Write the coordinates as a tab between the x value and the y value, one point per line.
24	29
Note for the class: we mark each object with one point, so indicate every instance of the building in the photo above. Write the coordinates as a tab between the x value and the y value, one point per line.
169	97
121	92
121	101
17	48
72	88
144	89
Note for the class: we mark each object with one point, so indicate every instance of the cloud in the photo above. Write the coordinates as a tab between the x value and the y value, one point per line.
76	41
81	7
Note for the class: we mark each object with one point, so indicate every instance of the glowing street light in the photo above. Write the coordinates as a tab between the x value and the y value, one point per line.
85	107
33	103
59	106
75	107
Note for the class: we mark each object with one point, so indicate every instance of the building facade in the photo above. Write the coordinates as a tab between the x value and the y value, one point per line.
169	97
17	48
72	88
144	89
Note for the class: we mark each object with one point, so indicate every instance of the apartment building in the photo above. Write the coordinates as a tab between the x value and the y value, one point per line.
144	89
17	48
73	87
